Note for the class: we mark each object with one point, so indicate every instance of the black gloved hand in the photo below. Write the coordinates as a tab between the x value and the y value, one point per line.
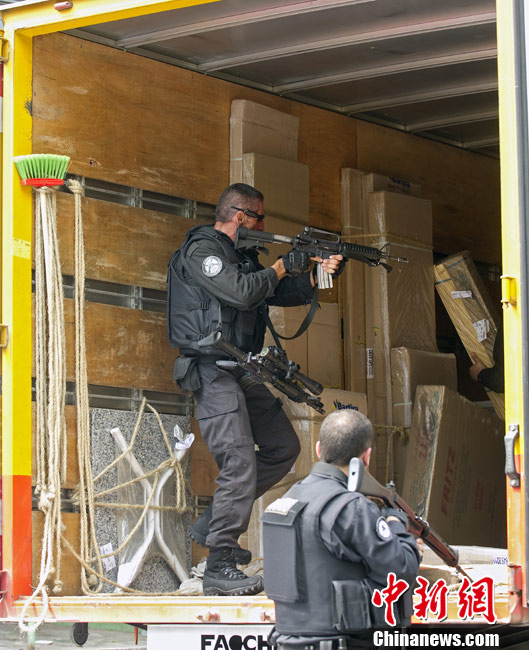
394	512
296	262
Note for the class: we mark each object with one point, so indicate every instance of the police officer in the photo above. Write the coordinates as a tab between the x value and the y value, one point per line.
326	548
215	287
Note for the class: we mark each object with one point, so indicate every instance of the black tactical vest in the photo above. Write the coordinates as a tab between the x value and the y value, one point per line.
315	593
193	314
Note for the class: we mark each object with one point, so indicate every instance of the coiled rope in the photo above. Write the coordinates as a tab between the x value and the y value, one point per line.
51	391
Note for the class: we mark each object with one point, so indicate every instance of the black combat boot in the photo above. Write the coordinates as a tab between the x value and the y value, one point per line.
199	530
223	578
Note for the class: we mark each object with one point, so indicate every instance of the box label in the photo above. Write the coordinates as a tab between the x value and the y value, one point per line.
482	328
461	294
370	363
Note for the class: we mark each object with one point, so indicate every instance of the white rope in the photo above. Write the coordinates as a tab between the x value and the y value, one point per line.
88	541
51	392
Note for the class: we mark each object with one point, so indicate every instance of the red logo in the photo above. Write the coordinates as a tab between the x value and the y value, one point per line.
431	601
389	596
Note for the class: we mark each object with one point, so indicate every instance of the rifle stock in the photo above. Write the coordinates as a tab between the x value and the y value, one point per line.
360	480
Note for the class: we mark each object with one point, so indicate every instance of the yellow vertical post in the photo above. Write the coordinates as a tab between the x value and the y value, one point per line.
513	105
16	314
1	321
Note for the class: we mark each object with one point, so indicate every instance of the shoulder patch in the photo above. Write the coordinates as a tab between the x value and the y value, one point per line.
211	266
282	506
383	530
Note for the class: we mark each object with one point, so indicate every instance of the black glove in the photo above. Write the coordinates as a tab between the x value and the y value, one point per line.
296	262
394	512
340	268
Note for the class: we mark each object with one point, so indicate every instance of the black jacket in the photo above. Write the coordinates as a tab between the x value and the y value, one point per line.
325	550
213	286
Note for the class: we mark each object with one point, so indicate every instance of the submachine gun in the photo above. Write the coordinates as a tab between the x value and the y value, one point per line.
319	243
360	480
270	365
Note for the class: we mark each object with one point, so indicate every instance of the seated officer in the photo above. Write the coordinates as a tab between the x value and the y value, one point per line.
326	549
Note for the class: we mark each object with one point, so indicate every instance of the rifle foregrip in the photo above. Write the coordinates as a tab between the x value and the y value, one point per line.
310	384
443	550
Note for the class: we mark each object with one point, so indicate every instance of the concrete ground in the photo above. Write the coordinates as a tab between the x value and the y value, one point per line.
57	635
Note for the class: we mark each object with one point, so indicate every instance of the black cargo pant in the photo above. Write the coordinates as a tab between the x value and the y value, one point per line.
252	451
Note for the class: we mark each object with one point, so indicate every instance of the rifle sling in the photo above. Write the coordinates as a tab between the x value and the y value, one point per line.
304	325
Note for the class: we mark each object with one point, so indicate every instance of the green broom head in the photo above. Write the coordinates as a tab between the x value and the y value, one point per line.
41	165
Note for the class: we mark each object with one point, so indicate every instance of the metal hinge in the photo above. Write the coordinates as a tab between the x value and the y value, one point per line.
510	464
4	49
4	336
508	291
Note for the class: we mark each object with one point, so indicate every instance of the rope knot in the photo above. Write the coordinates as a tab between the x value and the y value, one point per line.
46	500
44	190
74	186
57	589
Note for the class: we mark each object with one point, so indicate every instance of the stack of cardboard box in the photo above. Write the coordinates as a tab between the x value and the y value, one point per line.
390	311
433	443
264	153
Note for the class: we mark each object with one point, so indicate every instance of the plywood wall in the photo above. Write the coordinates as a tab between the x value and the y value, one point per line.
131	120
127	119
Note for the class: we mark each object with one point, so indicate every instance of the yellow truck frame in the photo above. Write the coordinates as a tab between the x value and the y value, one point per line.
25	20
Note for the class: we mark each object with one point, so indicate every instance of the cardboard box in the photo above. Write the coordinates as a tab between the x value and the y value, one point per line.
255	128
401	218
306	422
377	182
284	184
286	321
412	368
409	369
400	306
455	472
318	350
471	311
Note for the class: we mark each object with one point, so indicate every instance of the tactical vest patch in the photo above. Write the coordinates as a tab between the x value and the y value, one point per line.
383	530
281	506
211	266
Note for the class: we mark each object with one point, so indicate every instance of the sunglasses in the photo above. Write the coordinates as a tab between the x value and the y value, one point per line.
250	213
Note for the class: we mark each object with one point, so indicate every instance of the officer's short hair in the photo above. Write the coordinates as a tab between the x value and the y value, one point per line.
344	434
237	195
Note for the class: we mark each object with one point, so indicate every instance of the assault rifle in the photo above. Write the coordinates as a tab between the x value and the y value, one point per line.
319	243
270	365
360	480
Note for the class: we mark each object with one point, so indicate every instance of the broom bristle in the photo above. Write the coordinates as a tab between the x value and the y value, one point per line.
41	165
